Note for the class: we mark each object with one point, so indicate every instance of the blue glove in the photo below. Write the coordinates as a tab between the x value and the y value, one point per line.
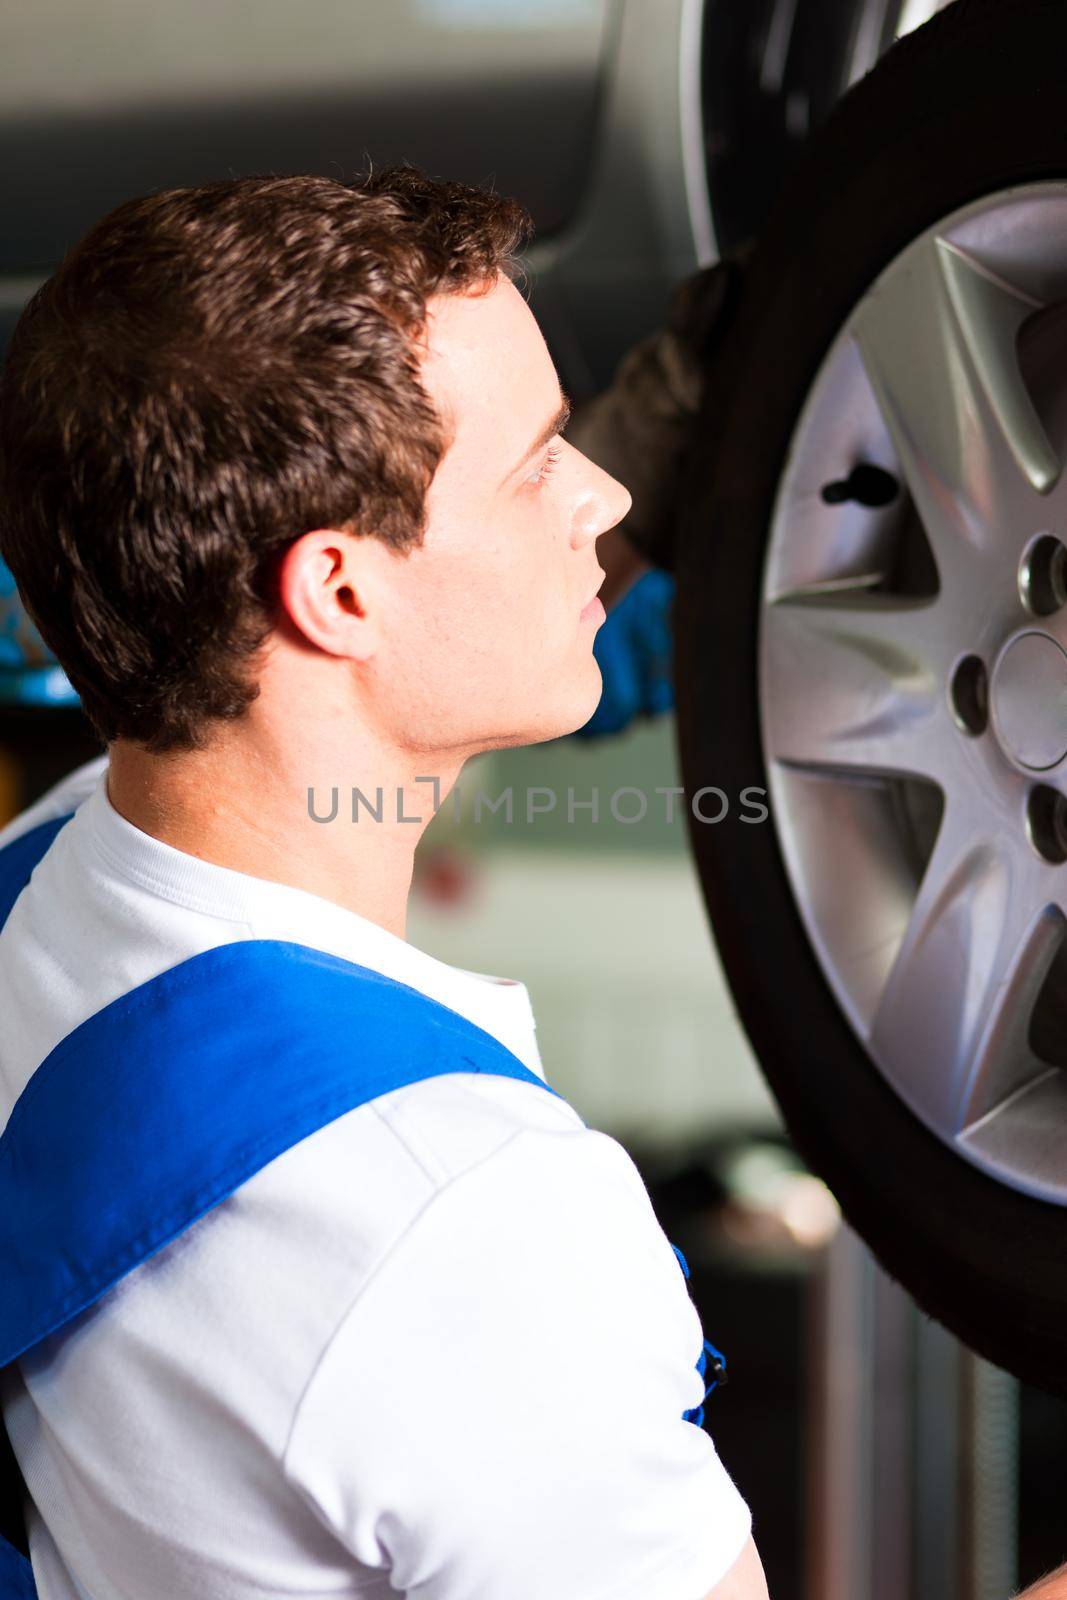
29	672
634	652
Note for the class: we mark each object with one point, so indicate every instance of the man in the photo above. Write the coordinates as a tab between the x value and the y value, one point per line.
284	487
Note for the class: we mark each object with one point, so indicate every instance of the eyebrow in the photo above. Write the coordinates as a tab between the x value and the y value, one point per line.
557	425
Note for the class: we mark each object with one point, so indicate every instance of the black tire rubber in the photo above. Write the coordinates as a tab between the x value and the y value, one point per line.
972	102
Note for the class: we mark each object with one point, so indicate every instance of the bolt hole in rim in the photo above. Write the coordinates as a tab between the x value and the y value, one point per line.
1043	575
1046	823
913	678
969	694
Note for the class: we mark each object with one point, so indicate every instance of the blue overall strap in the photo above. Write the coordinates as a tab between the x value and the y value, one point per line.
16	1574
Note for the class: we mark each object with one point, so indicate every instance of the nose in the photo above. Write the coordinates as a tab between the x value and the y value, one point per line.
604	502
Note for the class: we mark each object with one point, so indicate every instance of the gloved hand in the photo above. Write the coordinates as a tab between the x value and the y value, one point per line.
638	428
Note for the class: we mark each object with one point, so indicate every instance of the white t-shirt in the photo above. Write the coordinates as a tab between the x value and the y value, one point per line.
439	1348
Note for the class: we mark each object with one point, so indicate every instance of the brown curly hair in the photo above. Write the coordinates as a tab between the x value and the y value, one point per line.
210	373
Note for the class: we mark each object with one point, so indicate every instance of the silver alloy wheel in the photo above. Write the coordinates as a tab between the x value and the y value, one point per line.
913	681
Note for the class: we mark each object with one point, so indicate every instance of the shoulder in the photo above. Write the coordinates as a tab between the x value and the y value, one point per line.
546	1242
313	1228
450	1123
331	1209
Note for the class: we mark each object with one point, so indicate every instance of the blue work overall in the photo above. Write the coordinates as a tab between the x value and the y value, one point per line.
250	1047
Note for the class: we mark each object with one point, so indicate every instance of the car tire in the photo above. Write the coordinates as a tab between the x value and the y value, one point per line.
969	106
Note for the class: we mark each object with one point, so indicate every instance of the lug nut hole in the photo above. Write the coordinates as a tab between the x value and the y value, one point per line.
1043	576
1046	823
969	694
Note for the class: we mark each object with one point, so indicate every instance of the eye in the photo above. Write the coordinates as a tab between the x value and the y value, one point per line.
547	466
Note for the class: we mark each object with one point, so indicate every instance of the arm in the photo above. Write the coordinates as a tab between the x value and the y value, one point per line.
746	1581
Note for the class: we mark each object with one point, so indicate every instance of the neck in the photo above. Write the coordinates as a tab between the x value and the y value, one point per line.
284	810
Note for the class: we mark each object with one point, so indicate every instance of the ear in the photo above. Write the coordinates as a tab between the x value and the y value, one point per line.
326	588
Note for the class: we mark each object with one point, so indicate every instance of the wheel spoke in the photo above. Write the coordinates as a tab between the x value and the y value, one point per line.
950	1028
854	683
938	340
1025	1134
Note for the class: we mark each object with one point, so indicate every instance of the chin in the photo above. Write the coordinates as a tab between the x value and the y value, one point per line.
585	704
576	716
549	721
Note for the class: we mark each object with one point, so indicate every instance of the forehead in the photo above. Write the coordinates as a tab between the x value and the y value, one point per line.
488	370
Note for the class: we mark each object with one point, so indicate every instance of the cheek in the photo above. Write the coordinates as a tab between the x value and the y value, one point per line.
490	604
458	624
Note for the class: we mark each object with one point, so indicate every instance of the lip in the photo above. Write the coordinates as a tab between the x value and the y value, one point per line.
594	606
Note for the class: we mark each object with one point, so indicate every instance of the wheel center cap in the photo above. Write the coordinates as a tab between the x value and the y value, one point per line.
1029	695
